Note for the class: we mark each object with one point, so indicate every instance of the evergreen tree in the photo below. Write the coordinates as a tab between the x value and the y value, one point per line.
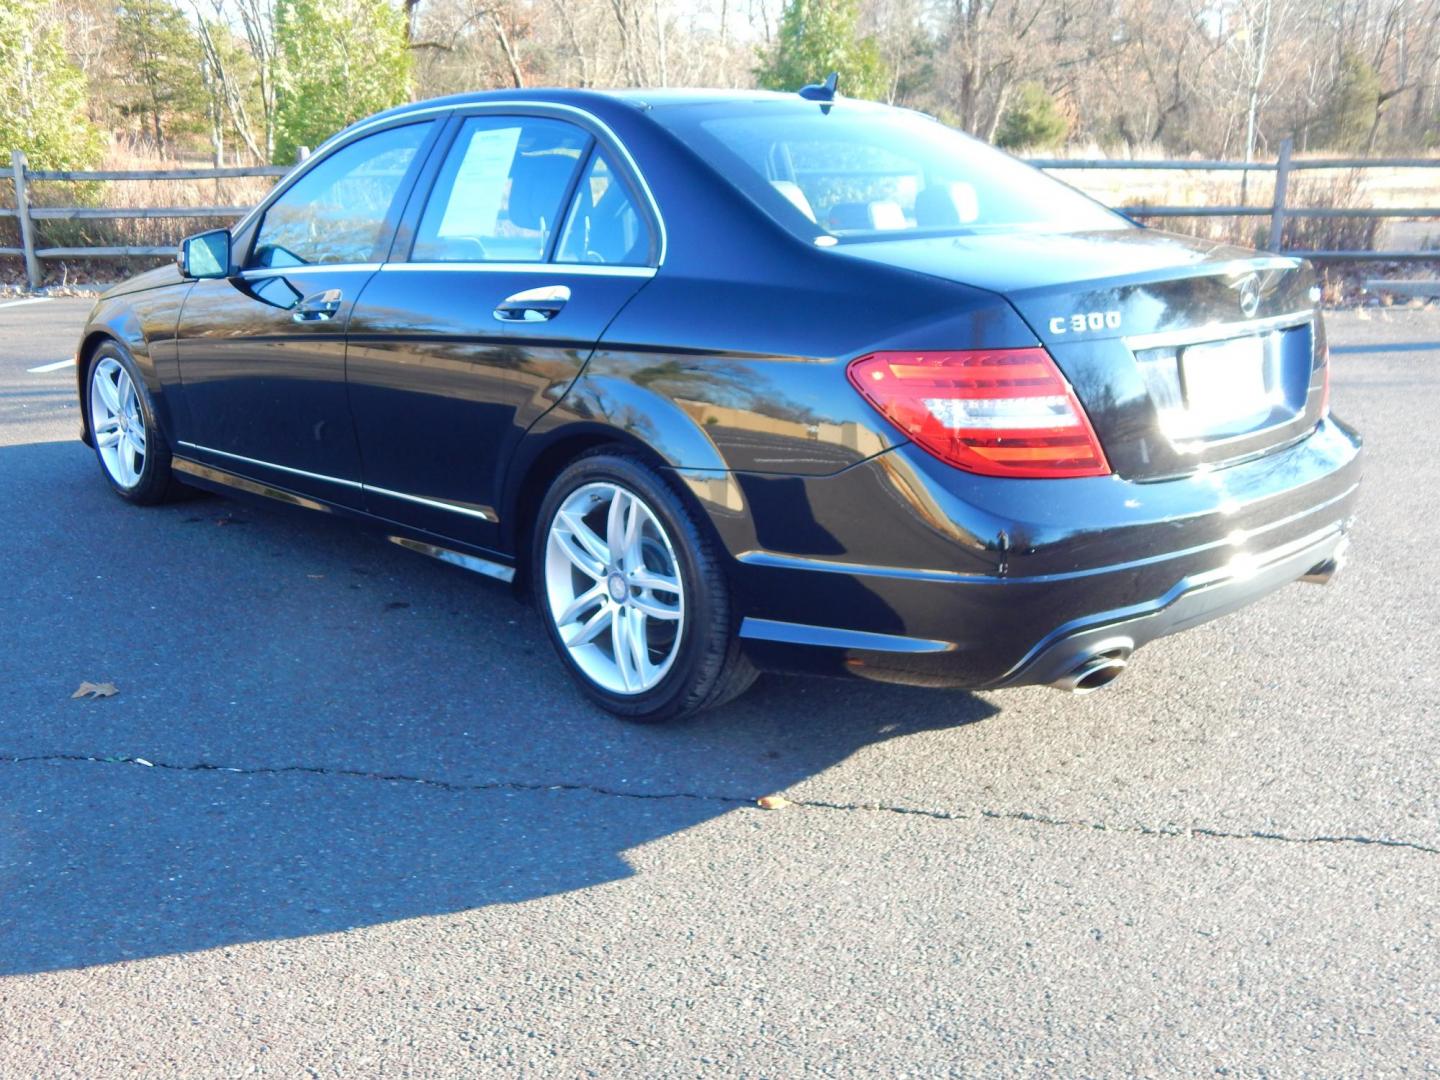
1351	106
42	94
817	37
339	60
1033	119
162	62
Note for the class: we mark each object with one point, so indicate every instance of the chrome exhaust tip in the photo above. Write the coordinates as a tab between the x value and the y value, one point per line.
1324	572
1094	672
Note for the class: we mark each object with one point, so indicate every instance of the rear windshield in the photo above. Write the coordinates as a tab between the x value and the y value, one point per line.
860	171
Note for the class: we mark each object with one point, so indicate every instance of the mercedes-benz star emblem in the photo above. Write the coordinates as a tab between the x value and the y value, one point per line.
1249	288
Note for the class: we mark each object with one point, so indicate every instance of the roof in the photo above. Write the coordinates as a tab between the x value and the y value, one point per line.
639	97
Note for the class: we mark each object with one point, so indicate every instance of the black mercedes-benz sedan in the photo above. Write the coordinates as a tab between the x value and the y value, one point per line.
745	381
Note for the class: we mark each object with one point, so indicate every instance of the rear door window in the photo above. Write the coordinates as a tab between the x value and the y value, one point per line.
603	226
501	192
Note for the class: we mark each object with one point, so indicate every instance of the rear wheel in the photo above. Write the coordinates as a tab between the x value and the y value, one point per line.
632	593
129	444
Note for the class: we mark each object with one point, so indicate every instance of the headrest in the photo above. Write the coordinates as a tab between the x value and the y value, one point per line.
537	182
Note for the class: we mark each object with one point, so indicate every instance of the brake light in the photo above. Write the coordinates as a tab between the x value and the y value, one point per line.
998	412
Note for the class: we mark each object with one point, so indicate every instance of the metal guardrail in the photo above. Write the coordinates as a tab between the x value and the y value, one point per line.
1278	211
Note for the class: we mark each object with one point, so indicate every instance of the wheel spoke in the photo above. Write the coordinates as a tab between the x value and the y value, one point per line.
137	437
128	460
622	529
592	627
109	394
581	559
124	391
655	582
623	644
652	607
640	645
108	435
586	538
589	597
615	523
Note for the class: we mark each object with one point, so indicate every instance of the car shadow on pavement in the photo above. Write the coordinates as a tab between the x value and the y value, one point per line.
317	731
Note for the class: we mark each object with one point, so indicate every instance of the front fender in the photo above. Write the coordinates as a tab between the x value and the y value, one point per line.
144	324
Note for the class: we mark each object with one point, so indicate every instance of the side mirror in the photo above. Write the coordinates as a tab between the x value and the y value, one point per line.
205	255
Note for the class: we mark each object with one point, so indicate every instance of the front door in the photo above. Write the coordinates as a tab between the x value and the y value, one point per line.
262	354
526	249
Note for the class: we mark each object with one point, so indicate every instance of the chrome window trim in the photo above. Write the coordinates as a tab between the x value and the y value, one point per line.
591	269
316	156
341	137
260	272
1195	335
483	513
269	465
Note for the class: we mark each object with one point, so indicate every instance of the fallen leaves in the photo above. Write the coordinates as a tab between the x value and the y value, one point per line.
773	802
96	690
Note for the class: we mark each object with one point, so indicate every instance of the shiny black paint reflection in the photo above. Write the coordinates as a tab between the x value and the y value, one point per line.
261	385
441	392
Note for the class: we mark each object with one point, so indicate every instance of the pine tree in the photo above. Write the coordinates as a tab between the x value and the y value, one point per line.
817	37
1350	108
162	59
1033	119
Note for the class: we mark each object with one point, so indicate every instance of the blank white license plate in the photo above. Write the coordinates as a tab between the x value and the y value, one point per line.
1225	381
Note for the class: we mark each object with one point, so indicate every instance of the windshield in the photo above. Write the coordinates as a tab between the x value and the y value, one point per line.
860	171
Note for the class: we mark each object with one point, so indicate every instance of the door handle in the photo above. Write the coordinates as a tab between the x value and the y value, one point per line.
318	307
533	305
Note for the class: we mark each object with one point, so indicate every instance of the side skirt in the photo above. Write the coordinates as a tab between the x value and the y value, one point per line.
221	480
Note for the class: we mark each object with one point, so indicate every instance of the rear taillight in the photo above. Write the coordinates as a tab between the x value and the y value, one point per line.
999	412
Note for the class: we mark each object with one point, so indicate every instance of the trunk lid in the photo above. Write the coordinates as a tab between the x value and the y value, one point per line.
1184	353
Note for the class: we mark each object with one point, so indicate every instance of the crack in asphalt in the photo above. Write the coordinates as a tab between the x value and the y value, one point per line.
1200	831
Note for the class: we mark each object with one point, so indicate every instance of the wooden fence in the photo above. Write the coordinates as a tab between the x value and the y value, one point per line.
22	176
1276	210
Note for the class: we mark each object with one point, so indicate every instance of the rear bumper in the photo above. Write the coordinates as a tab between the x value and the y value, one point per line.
1191	602
1009	583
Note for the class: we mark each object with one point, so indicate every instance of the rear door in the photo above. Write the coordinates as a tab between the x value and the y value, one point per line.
528	244
262	354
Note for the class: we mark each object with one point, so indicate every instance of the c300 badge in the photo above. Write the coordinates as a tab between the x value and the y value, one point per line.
1085	322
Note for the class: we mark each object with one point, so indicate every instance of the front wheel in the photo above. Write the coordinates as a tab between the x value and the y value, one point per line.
129	444
632	593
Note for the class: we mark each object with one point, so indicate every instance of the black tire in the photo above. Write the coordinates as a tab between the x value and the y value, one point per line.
709	668
156	482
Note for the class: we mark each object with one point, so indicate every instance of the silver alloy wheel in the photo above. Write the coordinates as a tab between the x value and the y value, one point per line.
118	424
613	586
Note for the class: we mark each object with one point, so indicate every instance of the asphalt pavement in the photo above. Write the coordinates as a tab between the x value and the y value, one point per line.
346	815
